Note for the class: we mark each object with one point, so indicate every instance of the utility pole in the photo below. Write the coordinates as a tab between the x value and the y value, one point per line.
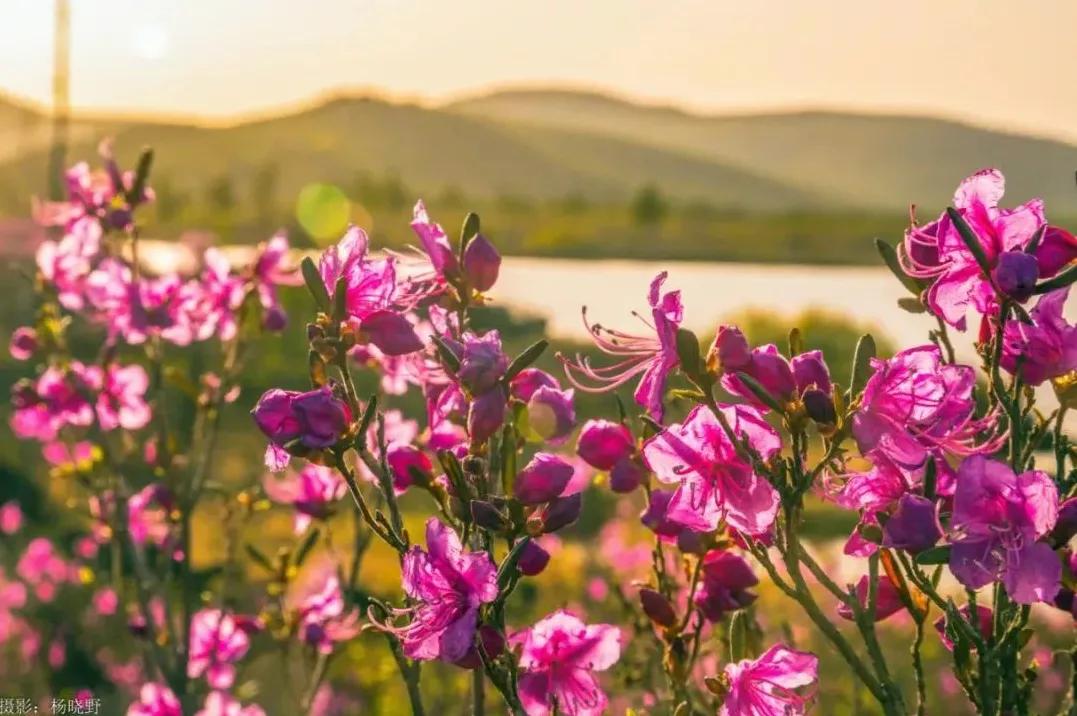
61	66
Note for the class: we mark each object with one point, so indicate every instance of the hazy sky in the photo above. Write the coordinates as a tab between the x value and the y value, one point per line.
1000	63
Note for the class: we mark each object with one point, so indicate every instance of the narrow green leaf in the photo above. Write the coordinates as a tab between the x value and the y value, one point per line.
911	305
688	352
890	258
760	392
930	479
507	570
340	300
1060	280
525	359
935	555
313	278
306	546
368	417
468	231
865	351
142	174
259	557
969	237
1034	242
738	636
796	342
445	352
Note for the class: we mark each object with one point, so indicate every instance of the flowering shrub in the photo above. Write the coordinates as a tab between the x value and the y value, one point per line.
962	484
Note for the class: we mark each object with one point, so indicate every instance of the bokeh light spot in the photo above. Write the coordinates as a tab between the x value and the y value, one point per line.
323	210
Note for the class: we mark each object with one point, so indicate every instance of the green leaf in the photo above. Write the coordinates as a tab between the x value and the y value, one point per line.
865	351
368	418
1034	242
445	352
525	359
316	366
971	241
340	300
507	570
468	231
796	342
738	636
142	174
911	305
315	285
760	392
259	557
935	555
303	551
930	479
890	258
1059	281
688	352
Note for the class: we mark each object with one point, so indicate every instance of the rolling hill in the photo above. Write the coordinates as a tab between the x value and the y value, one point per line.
868	161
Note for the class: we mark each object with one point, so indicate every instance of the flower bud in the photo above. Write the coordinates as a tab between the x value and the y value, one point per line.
657	607
820	407
772	371
408	465
562	512
810	371
692	542
486	415
23	343
542	479
482	362
603	443
626	475
551	414
533	559
482	263
1066	526
1016	274
730	350
322	417
485	515
914	526
274	319
493	643
529	380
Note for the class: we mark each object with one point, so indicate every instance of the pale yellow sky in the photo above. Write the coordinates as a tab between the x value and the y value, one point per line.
1002	64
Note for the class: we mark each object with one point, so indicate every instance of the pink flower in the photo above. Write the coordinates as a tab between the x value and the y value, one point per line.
315	419
482	361
727	577
603	443
58	398
103	195
217	642
373	299
937	252
67	263
768	686
543	479
435	243
558	656
997	519
914	403
311	491
1044	349
10	518
318	603
23	343
651	357
155	700
219	703
121	402
715	483
272	268
449	586
148	517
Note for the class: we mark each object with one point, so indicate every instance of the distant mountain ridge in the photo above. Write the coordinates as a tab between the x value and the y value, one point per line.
539	144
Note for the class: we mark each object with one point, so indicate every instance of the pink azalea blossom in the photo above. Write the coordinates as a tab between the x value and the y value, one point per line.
715	483
558	658
449	586
317	601
1044	349
772	685
652	357
727	577
997	519
374	300
148	518
121	400
23	343
272	268
435	244
66	264
155	700
914	403
56	399
217	642
936	251
312	492
219	703
10	518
